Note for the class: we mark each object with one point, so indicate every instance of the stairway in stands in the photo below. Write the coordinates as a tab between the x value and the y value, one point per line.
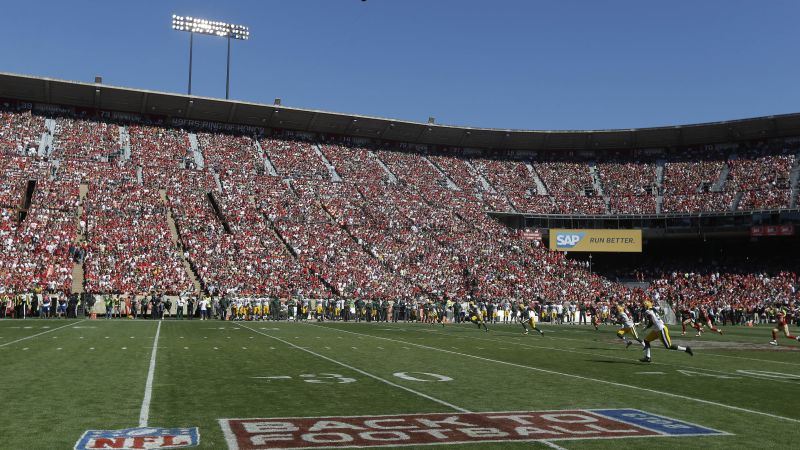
719	185
736	200
268	167
795	181
125	143
173	232
389	173
199	161
597	184
46	141
660	165
331	170
77	269
540	189
484	182
450	183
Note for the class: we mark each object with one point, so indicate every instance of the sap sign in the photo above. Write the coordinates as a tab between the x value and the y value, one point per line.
596	240
568	240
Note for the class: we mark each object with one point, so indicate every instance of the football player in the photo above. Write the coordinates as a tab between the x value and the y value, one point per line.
529	318
783	325
476	317
626	326
705	320
688	317
660	331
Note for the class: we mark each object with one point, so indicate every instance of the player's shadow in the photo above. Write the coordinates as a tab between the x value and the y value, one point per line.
608	361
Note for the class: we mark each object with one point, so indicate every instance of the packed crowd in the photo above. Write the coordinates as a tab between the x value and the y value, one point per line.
355	163
35	243
230	154
763	173
20	132
130	246
732	295
632	178
693	203
295	158
514	180
564	178
692	175
300	235
459	172
16	171
159	146
630	186
86	139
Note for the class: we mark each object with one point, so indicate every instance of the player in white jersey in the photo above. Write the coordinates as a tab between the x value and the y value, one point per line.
660	331
626	326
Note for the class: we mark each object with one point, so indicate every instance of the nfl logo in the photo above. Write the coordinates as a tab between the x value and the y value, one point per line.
139	438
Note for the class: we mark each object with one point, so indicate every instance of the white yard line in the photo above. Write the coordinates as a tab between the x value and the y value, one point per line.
144	413
552	445
611	346
39	334
570	375
604	355
382	380
752	359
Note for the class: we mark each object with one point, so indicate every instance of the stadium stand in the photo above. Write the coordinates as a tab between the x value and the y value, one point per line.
20	132
399	224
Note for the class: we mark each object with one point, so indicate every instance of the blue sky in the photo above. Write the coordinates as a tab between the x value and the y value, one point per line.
525	64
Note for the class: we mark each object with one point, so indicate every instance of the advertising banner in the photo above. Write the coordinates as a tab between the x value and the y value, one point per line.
563	240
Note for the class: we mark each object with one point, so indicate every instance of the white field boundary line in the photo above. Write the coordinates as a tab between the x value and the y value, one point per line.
570	375
367	374
144	413
568	330
43	332
572	350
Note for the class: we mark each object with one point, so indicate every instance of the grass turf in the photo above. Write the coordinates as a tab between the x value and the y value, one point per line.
64	377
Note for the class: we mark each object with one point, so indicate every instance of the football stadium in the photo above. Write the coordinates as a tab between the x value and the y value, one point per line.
191	271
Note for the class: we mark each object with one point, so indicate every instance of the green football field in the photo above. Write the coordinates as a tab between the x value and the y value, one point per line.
62	378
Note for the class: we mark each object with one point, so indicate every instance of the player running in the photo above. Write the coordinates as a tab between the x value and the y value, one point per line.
783	325
476	317
434	314
529	317
626	326
705	320
688	317
660	332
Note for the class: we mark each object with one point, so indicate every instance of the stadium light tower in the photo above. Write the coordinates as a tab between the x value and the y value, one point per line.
194	25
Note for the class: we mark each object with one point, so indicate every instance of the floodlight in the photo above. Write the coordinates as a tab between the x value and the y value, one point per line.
212	28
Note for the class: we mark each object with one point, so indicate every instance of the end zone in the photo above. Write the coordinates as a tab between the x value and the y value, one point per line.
450	428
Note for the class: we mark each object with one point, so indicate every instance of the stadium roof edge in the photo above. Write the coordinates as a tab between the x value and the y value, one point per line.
140	101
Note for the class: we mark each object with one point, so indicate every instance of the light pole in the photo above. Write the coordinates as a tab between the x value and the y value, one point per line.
194	25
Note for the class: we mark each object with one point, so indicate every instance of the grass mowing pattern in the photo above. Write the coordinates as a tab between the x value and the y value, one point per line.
91	375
